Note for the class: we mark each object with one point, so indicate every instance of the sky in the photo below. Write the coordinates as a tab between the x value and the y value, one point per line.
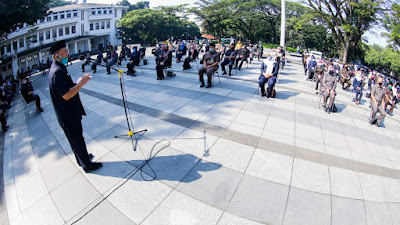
373	36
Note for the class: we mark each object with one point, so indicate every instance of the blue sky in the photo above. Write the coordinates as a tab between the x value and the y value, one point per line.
374	36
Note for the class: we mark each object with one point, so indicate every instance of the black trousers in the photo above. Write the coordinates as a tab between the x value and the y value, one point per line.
35	98
3	121
241	62
74	132
83	66
160	73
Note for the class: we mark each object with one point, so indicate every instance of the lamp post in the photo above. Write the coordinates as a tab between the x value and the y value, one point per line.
283	23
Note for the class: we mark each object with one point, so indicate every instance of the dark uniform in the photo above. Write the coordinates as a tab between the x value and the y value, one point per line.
271	81
69	113
230	56
209	58
243	54
26	87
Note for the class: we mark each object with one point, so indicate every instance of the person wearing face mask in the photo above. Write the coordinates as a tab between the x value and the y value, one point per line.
99	58
329	83
210	65
111	61
319	74
134	61
311	67
377	102
230	56
388	95
181	52
163	60
193	53
357	85
269	73
68	106
260	50
345	74
28	94
243	54
395	99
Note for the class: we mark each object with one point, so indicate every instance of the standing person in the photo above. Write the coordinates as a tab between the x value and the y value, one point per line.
68	106
260	52
395	98
388	95
319	72
377	102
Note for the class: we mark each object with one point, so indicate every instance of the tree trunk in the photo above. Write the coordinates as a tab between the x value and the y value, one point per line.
346	51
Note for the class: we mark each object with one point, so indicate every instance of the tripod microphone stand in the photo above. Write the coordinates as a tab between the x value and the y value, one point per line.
131	134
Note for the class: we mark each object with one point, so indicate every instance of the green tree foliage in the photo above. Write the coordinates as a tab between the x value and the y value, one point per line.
347	20
138	5
162	23
16	13
55	3
383	59
392	24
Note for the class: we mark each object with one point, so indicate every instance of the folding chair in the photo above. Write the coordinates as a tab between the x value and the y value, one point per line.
165	70
319	100
213	76
26	105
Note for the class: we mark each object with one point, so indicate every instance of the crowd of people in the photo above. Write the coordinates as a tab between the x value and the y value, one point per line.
382	90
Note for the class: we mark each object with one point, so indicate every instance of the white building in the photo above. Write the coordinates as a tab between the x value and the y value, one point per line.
84	27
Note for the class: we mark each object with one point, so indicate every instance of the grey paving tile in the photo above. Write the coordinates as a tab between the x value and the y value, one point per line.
392	189
210	183
99	127
194	142
105	214
378	213
259	108
309	133
347	211
372	187
335	139
302	205
283	114
43	212
181	209
27	195
345	183
246	129
108	140
310	176
43	142
395	208
137	205
73	196
251	119
262	196
58	172
230	219
271	167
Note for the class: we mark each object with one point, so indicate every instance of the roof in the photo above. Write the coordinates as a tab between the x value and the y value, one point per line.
208	36
80	6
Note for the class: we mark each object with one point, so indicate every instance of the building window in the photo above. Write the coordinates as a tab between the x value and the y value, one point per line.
9	48
102	25
47	34
55	17
105	12
15	47
110	11
99	12
67	31
68	15
21	43
97	26
42	20
75	14
82	15
73	29
62	16
82	29
60	31
40	36
108	25
48	18
115	13
54	33
91	26
93	13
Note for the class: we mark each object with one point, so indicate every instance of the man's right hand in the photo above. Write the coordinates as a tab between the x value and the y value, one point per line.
85	78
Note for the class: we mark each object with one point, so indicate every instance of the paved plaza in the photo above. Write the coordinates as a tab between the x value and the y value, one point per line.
228	155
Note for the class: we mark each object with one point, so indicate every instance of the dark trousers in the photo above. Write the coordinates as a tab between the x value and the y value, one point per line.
3	121
225	62
83	66
179	56
210	71
160	73
73	131
108	66
186	63
271	84
358	94
241	62
259	56
131	67
34	98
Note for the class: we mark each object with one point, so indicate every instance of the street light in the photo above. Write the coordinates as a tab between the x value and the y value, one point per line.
283	23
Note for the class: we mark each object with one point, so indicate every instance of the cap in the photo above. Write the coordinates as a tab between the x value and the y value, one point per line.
57	46
212	45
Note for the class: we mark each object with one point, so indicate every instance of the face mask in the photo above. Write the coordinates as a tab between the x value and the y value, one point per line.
108	50
211	50
390	88
134	50
380	83
320	64
63	61
330	72
269	58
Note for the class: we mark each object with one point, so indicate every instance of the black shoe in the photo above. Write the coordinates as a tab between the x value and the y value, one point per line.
239	68
108	72
208	86
263	94
5	129
224	73
93	166
230	74
94	71
91	157
39	110
202	85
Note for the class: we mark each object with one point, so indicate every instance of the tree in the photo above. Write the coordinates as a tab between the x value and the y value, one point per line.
347	20
55	3
139	5
16	13
392	24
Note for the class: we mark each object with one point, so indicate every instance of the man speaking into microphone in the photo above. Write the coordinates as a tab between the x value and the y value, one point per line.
68	106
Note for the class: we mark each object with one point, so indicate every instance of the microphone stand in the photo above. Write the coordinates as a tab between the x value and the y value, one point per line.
131	134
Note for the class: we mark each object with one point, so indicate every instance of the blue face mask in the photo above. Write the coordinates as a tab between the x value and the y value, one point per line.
64	61
211	50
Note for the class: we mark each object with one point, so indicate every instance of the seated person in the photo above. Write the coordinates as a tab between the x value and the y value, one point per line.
329	83
134	61
319	72
29	96
163	60
388	95
243	54
6	95
121	57
111	61
269	73
230	56
181	52
192	56
357	85
4	107
142	50
99	58
87	61
377	102
311	67
345	74
210	65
